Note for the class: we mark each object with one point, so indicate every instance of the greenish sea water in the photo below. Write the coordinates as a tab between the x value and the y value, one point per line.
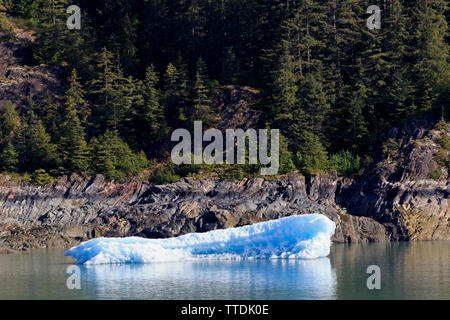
419	270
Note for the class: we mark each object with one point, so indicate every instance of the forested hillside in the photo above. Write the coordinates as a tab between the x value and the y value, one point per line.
138	69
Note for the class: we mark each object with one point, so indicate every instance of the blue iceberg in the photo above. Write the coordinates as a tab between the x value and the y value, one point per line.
294	237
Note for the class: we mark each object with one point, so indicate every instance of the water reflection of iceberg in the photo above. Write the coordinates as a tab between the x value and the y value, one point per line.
294	237
207	279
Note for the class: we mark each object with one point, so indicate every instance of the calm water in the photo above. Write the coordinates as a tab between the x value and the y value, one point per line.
408	271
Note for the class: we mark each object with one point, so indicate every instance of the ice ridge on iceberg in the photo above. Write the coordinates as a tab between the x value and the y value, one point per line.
293	237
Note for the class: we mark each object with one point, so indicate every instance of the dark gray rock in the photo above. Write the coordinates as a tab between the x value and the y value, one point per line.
75	209
398	191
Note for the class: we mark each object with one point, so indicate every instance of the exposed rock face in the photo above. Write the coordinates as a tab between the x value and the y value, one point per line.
19	82
234	107
76	209
399	192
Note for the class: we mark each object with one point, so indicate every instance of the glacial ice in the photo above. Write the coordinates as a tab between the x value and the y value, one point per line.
294	237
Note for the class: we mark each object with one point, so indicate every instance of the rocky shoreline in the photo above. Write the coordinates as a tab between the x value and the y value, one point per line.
395	201
75	209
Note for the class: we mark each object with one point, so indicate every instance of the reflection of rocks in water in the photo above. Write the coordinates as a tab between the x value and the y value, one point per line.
409	270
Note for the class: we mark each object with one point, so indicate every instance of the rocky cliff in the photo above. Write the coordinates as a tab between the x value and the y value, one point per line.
395	200
19	80
75	209
399	191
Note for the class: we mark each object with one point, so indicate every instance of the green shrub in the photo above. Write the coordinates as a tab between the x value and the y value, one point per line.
26	177
443	156
113	157
286	157
441	125
41	177
346	164
165	174
391	149
233	172
435	174
443	141
312	156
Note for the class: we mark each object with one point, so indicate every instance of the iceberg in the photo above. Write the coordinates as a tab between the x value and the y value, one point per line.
293	237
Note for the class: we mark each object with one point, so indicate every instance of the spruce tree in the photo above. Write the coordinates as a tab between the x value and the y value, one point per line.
9	159
33	143
74	97
102	157
72	144
111	91
57	44
286	84
314	103
50	114
311	156
397	98
41	177
194	24
119	30
231	70
431	66
202	108
354	129
9	122
113	157
175	86
153	111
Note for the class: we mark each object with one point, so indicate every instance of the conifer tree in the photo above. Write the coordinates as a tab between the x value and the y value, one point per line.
9	159
153	111
113	157
41	177
231	70
102	157
111	91
396	100
354	128
26	9
72	144
34	145
311	156
202	108
286	84
194	24
74	97
56	43
49	113
431	67
175	86
9	122
342	32
314	103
